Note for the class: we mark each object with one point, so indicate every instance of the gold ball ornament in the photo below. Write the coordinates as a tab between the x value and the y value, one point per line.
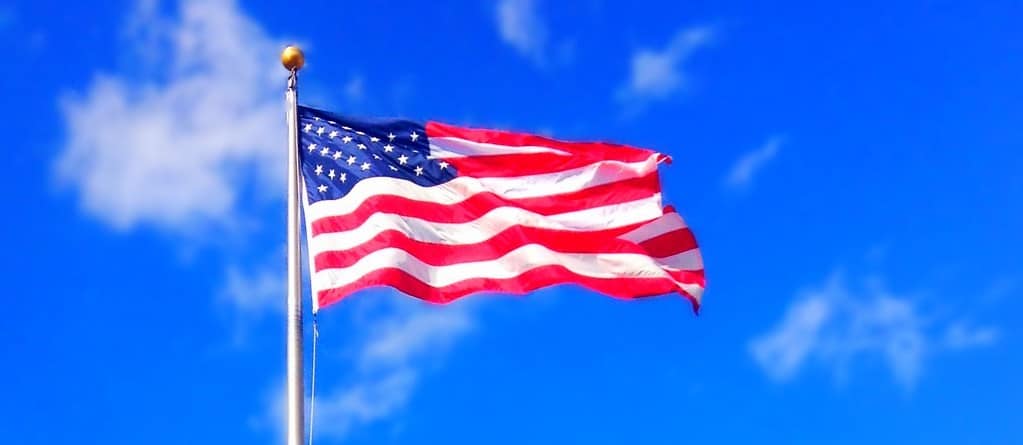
292	58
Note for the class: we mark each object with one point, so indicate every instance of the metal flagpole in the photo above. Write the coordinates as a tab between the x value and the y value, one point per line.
293	59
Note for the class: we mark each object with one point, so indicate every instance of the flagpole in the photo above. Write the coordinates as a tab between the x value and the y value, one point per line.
293	59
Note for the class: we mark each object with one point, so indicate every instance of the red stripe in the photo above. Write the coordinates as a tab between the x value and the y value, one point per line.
498	246
594	150
671	243
697	277
510	165
481	203
533	279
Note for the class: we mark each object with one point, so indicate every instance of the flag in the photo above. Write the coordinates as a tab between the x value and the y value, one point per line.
439	212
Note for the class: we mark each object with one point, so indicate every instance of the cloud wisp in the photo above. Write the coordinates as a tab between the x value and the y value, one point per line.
741	175
390	362
659	74
836	326
175	149
520	25
171	149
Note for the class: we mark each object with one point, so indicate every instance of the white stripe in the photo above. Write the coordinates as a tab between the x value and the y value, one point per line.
513	264
452	147
669	222
598	173
488	225
688	260
461	188
695	290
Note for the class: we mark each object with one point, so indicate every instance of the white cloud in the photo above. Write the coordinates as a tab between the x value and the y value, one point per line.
256	291
961	335
364	402
173	149
783	351
658	74
521	27
355	89
403	337
390	361
741	174
837	325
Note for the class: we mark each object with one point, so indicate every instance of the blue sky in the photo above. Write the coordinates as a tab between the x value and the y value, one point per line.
852	174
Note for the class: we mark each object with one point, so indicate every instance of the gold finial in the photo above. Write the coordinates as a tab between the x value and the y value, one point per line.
292	58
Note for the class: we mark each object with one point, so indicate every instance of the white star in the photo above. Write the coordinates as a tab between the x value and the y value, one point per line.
403	159
343	177
374	139
419	170
308	127
388	148
346	127
322	188
351	160
333	134
360	133
312	148
316	118
337	155
414	136
443	165
325	151
376	156
361	146
319	169
331	174
319	131
346	139
364	166
393	168
391	136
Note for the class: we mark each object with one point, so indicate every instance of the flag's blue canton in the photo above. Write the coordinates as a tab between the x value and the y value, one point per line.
337	152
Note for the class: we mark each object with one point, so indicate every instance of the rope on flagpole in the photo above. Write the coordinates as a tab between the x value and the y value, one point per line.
312	379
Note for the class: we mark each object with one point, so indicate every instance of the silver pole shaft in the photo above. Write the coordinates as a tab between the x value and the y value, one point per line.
296	389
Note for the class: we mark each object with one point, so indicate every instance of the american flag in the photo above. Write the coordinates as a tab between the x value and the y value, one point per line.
439	212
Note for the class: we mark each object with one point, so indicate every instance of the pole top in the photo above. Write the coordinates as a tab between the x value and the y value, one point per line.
292	58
